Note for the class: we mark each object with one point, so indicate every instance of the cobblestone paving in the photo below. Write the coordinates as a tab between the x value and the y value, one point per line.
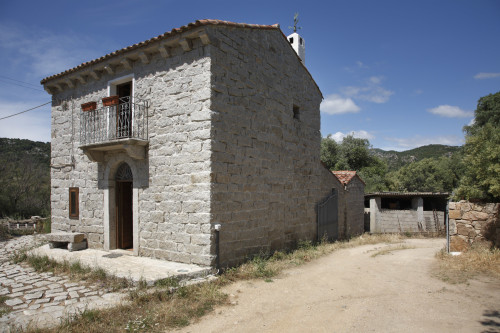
42	299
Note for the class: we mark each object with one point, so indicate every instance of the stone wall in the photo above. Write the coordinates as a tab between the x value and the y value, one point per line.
473	222
354	207
234	138
266	161
171	186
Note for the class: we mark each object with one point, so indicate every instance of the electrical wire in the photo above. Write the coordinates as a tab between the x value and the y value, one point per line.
15	114
20	85
31	84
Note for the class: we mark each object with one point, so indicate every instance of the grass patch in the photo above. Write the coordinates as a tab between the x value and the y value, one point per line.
75	270
150	310
170	304
268	266
4	309
391	249
480	259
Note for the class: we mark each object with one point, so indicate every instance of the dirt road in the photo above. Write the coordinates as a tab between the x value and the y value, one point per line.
351	291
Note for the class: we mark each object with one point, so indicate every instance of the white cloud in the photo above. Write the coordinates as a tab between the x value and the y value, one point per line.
336	104
43	53
372	91
450	111
418	141
361	64
482	76
361	134
33	125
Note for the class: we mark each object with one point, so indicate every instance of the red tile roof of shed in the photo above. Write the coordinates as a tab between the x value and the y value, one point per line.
345	176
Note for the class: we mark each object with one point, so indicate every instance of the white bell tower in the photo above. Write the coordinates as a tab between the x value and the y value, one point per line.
297	42
299	45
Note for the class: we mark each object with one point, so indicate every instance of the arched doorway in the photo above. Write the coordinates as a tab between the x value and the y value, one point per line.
123	204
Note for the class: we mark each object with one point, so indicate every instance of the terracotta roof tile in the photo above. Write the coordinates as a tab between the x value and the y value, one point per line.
165	35
345	176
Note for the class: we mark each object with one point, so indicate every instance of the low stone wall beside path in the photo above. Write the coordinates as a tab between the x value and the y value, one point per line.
473	222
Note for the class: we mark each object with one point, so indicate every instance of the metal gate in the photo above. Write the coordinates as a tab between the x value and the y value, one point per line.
328	218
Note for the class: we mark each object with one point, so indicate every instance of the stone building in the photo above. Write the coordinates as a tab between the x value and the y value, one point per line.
396	212
352	223
211	126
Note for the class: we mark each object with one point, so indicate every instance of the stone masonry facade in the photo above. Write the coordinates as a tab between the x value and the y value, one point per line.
473	222
233	140
354	208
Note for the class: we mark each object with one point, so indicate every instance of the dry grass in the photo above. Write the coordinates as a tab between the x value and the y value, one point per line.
391	249
169	305
265	266
479	260
75	270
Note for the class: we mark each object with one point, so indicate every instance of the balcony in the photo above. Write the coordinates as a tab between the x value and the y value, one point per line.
120	127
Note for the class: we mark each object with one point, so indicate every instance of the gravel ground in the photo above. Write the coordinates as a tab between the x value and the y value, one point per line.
351	291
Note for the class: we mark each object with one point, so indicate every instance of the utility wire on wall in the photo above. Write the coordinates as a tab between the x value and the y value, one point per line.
15	114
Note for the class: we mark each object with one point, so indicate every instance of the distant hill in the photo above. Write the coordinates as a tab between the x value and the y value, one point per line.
396	159
24	178
16	149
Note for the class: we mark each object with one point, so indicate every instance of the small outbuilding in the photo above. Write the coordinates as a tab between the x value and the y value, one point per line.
353	202
397	212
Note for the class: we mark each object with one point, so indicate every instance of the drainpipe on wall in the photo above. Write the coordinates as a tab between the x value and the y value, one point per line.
217	228
447	227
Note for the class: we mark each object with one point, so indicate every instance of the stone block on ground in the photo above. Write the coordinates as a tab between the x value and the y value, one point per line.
67	237
77	246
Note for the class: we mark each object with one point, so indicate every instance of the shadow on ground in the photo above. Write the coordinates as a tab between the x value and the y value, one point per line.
492	322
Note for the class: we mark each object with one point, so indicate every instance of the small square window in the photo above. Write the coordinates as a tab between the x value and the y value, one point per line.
74	211
296	112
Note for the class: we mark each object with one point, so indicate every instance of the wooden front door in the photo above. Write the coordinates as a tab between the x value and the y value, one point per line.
124	229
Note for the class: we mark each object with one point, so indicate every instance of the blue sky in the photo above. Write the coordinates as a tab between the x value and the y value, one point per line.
401	73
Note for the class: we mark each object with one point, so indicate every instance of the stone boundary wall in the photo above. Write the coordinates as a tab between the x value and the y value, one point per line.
473	222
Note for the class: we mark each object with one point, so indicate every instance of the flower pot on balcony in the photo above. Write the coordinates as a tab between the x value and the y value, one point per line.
110	101
90	106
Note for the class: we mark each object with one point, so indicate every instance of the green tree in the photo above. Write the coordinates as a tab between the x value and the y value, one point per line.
482	160
482	152
354	154
427	175
329	152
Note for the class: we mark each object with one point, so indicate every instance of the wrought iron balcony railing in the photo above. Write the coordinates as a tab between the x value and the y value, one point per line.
126	120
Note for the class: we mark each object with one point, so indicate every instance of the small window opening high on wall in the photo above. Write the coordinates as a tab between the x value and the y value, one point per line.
296	112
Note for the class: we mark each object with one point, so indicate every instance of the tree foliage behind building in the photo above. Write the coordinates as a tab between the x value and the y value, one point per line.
24	178
482	152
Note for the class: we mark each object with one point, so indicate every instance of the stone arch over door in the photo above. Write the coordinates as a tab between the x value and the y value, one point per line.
113	176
